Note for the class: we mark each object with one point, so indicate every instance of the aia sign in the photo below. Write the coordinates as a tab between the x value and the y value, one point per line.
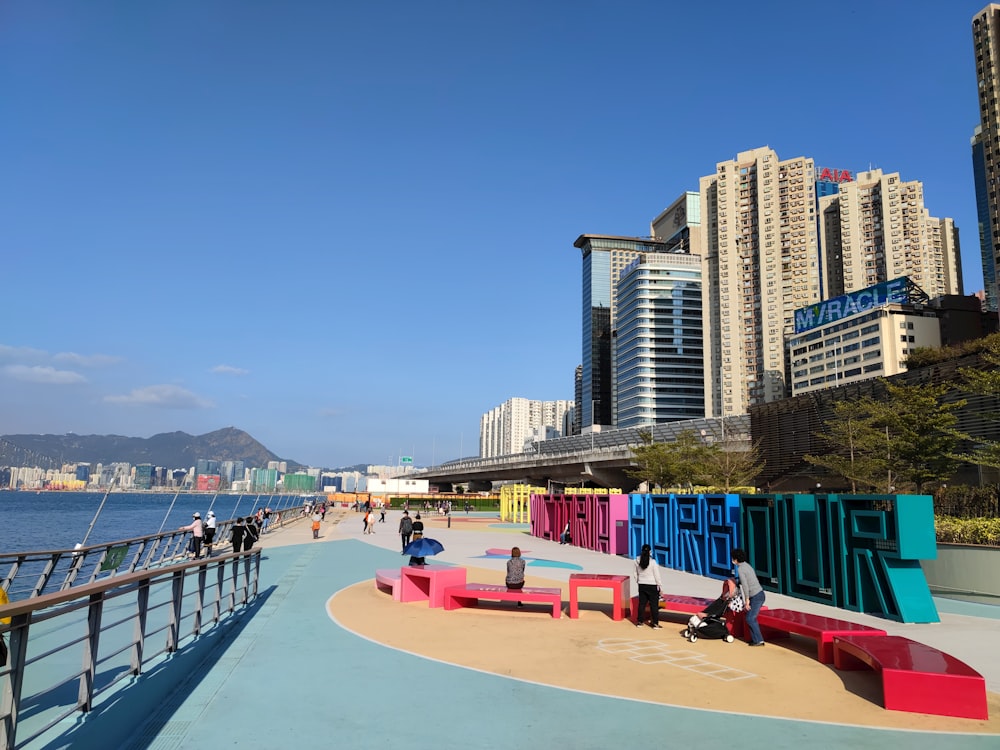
834	175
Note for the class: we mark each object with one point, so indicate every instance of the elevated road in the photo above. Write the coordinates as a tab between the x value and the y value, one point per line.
601	459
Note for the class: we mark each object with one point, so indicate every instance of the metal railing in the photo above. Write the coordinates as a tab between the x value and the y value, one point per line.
30	574
68	647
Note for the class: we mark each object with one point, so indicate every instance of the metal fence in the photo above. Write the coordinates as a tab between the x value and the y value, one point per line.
30	574
68	647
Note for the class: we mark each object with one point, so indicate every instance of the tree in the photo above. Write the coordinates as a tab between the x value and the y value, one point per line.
906	438
690	457
677	463
983	382
919	430
655	464
848	432
727	464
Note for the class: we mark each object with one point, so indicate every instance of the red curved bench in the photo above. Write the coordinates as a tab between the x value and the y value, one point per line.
821	629
915	677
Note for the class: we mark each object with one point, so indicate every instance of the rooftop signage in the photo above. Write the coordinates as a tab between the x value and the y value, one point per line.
834	175
896	291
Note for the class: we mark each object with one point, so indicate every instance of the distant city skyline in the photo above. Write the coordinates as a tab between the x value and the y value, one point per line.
348	230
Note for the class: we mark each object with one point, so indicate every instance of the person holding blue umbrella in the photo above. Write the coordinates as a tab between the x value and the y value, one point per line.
418	533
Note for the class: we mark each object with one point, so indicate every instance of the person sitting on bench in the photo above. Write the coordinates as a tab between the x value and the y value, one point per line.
515	571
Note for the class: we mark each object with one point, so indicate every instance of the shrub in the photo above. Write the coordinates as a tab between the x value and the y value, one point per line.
984	531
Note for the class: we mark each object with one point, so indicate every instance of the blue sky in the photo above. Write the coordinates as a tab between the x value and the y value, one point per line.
348	228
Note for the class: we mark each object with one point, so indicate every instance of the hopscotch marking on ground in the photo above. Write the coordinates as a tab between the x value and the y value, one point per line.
647	651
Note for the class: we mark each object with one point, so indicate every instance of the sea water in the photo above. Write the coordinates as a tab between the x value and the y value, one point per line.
34	521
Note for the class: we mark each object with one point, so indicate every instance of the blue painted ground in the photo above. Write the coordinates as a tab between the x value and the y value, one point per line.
289	676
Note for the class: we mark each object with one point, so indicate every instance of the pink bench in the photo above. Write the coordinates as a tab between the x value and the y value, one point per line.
821	629
469	594
915	677
387	580
620	586
428	582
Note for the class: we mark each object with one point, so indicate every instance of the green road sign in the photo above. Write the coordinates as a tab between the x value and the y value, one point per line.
406	459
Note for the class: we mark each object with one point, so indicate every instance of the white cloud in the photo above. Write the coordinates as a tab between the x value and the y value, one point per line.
40	374
21	354
87	360
162	397
229	370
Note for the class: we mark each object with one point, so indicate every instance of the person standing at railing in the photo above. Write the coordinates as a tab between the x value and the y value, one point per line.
210	526
251	534
236	534
197	531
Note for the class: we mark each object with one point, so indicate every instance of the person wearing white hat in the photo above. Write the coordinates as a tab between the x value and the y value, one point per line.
197	530
210	525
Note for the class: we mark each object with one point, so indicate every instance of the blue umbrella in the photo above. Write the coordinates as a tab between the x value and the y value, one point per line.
423	547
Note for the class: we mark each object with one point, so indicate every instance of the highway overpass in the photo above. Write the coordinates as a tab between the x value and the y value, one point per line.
600	459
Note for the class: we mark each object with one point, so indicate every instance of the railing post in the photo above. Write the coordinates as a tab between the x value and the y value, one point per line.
246	578
176	602
10	700
220	576
74	569
234	583
90	646
139	635
256	574
199	600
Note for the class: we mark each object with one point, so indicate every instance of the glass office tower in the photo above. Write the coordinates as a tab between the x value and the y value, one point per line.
604	257
658	343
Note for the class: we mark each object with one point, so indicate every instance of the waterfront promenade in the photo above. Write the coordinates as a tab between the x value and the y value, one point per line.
326	659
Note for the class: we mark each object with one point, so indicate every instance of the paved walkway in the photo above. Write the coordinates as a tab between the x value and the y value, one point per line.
291	676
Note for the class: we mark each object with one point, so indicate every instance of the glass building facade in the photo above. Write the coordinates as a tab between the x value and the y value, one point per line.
604	257
659	351
983	214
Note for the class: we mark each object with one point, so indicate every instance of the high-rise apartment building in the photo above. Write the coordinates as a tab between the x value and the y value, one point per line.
505	429
876	228
761	264
986	142
983	217
658	351
604	257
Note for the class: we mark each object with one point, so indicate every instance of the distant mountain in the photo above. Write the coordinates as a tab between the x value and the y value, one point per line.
174	450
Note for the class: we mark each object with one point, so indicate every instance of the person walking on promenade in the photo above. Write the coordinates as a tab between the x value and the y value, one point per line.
265	520
381	518
515	571
210	526
753	594
315	526
198	533
236	534
647	576
405	528
564	537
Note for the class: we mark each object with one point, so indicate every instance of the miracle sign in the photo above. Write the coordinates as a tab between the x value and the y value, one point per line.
828	311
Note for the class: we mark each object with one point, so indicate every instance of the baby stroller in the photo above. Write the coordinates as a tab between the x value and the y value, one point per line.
712	622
